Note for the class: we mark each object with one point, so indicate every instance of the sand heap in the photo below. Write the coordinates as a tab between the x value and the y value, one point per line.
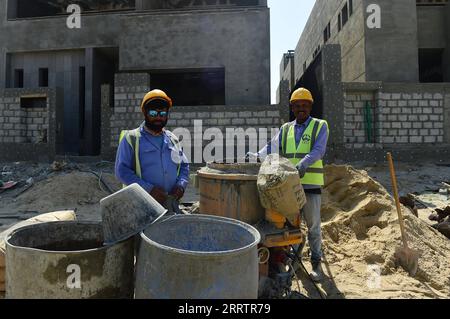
361	232
74	190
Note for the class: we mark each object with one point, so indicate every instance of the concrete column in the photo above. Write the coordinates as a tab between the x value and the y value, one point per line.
333	96
446	57
285	93
140	5
263	3
89	97
3	56
106	119
4	70
11	8
148	4
447	116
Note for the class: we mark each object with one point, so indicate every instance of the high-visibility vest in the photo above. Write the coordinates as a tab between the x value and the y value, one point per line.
315	173
133	138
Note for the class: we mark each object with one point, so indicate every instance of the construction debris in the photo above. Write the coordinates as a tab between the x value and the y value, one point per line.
409	202
443	228
440	214
7	185
58	166
442	217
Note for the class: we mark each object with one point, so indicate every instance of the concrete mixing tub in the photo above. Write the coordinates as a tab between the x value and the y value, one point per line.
42	262
230	190
198	257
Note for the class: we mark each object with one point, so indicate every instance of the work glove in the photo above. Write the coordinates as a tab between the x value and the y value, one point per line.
301	170
159	195
177	192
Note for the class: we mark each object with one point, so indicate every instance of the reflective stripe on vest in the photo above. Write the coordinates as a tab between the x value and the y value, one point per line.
133	137
315	173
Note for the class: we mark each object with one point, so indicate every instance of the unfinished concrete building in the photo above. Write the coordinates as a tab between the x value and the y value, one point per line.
380	72
407	42
203	53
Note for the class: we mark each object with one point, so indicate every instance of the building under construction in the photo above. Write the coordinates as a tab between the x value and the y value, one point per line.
379	71
203	53
403	41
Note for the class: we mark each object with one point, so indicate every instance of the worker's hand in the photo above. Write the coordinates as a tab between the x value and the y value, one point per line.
177	192
301	170
159	195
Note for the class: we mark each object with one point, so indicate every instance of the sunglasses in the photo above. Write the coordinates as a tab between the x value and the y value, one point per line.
153	113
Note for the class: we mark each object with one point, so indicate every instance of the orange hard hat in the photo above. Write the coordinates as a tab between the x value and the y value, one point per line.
156	95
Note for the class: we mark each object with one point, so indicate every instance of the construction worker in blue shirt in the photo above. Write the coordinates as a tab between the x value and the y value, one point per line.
304	142
151	156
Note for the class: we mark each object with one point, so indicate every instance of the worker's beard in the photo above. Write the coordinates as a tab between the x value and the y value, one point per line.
155	127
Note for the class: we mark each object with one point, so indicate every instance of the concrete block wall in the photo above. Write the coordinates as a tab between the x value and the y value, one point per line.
35	124
410	115
27	133
10	120
129	90
355	132
198	119
19	125
416	118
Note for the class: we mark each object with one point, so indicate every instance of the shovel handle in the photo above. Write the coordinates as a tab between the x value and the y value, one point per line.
397	200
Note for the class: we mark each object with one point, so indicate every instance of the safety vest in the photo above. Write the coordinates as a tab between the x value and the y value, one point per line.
133	138
315	173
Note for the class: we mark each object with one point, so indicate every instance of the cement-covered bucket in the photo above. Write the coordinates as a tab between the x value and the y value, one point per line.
67	260
198	257
127	212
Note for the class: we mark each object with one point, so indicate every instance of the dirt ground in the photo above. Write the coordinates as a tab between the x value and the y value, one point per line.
70	187
360	226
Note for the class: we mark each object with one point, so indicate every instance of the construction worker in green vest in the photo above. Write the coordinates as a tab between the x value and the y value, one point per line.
152	156
304	142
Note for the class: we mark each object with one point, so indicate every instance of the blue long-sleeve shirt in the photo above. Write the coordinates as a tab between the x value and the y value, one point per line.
159	168
317	152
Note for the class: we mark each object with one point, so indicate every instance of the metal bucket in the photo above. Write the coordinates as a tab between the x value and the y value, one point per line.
128	212
67	260
198	257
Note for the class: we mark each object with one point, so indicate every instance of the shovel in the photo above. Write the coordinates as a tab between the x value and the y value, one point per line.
406	257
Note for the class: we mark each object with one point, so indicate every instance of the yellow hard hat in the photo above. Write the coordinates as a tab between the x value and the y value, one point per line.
302	94
156	95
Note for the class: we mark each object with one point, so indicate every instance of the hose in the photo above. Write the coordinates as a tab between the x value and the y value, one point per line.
101	180
299	260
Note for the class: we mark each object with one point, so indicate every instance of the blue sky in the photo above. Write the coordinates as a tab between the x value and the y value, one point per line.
288	18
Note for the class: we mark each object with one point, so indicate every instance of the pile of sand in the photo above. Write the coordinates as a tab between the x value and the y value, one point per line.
73	190
361	231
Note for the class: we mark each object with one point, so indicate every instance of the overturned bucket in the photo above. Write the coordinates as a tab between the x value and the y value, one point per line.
127	212
67	260
198	257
